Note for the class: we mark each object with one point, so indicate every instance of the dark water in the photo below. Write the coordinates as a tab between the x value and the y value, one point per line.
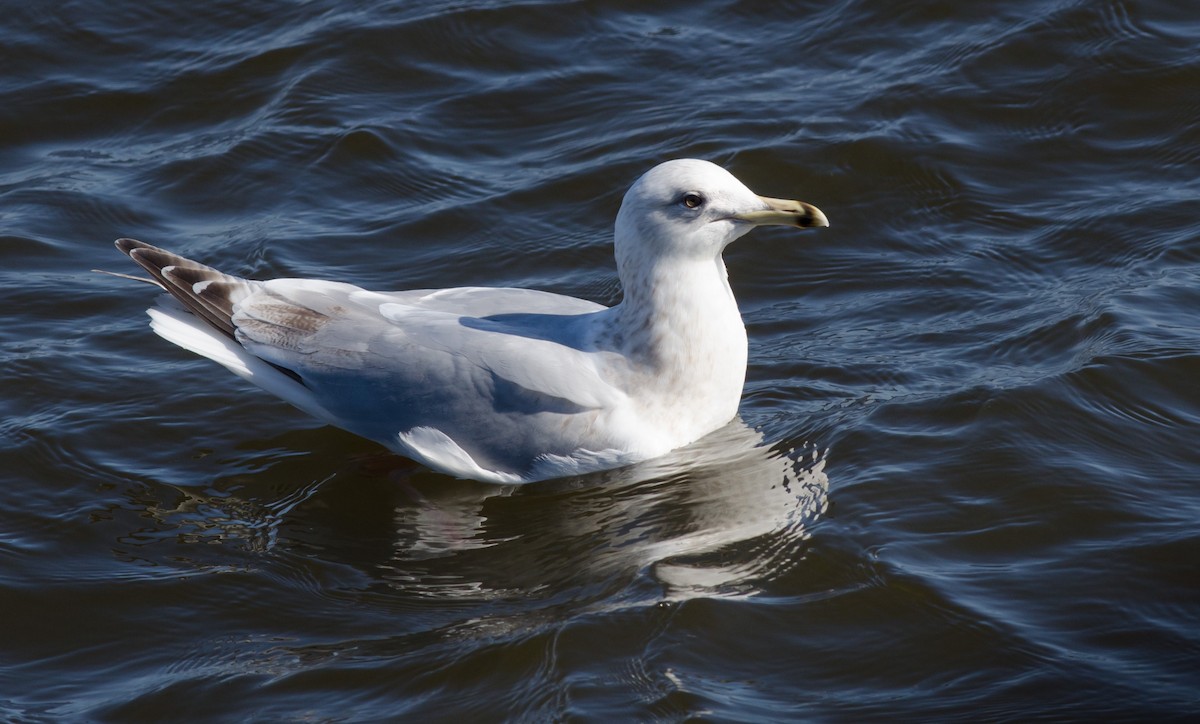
979	390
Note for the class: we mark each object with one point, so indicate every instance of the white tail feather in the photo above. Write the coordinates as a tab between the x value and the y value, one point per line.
178	326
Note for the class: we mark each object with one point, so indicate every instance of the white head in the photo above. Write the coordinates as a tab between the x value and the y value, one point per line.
692	209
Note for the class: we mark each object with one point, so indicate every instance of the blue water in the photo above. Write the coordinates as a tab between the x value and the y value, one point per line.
964	483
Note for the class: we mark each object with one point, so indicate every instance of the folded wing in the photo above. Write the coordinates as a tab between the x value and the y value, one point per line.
489	375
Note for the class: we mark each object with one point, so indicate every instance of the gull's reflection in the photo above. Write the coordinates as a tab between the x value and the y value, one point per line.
720	517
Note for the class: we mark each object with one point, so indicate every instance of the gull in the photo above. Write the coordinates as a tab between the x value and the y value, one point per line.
504	385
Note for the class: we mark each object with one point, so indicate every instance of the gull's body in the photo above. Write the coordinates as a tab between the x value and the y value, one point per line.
496	384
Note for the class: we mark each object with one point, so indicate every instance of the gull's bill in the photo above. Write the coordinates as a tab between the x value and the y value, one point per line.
785	212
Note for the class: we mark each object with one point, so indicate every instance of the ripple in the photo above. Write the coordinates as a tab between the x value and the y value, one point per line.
995	342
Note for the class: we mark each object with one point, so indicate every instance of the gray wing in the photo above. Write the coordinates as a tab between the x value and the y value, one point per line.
484	301
507	386
506	375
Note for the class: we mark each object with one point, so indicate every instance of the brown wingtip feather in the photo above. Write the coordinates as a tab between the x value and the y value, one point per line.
204	291
125	244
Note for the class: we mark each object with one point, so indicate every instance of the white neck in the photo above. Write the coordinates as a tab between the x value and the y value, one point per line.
680	327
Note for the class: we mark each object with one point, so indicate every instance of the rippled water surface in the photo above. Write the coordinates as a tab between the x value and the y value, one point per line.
964	482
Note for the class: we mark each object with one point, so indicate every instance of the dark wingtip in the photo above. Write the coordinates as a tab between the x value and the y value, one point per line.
126	245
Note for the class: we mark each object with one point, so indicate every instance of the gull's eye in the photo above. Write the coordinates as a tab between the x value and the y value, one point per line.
692	200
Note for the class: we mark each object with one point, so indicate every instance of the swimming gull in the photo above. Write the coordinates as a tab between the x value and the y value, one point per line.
500	384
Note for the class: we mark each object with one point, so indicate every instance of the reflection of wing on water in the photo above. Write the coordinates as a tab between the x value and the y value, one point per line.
721	517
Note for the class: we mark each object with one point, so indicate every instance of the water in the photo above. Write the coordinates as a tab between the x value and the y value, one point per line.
978	392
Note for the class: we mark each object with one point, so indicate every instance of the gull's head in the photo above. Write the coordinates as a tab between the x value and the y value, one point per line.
692	209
